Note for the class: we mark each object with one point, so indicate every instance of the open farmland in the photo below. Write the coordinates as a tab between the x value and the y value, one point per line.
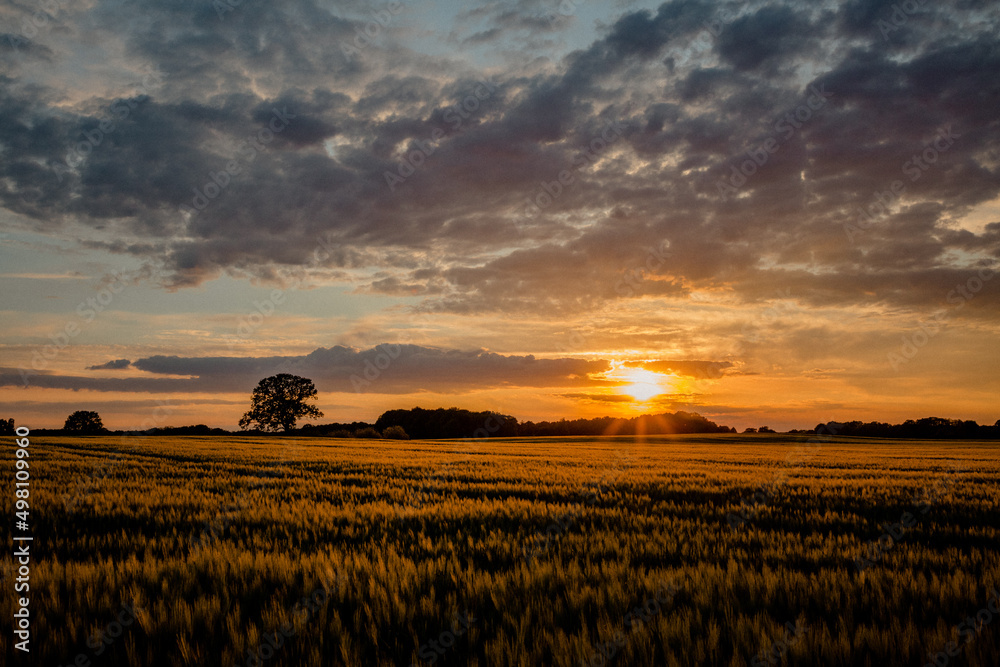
665	550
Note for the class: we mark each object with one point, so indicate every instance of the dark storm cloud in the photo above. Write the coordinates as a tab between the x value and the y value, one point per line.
389	369
114	365
859	17
766	36
14	46
386	369
517	200
309	126
644	34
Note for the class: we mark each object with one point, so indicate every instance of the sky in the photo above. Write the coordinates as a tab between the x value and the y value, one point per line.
769	213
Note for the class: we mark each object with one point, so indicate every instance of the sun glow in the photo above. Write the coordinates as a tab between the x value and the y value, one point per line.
642	385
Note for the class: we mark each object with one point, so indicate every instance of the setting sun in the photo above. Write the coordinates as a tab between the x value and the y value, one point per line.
642	385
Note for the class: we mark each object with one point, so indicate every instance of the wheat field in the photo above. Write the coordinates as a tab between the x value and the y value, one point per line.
667	550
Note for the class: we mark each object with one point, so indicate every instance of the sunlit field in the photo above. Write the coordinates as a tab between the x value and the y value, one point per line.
678	550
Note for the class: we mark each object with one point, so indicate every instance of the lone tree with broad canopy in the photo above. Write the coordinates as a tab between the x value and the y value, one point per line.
84	421
278	401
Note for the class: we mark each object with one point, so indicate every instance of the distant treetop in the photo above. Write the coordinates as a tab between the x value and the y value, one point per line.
278	402
84	422
929	428
455	423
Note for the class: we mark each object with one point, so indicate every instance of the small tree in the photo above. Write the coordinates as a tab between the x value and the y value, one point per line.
278	402
395	433
7	427
84	422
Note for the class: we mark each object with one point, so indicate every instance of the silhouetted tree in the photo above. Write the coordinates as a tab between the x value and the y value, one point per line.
928	427
278	402
395	433
420	424
666	423
7	427
84	422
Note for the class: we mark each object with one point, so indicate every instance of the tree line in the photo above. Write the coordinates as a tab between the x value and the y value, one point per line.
928	428
423	424
279	401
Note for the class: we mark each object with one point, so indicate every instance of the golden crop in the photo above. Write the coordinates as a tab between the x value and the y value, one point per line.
560	548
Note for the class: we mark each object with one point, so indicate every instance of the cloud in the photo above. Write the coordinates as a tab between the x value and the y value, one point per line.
396	368
693	369
482	222
46	276
384	369
115	365
660	401
600	398
768	36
